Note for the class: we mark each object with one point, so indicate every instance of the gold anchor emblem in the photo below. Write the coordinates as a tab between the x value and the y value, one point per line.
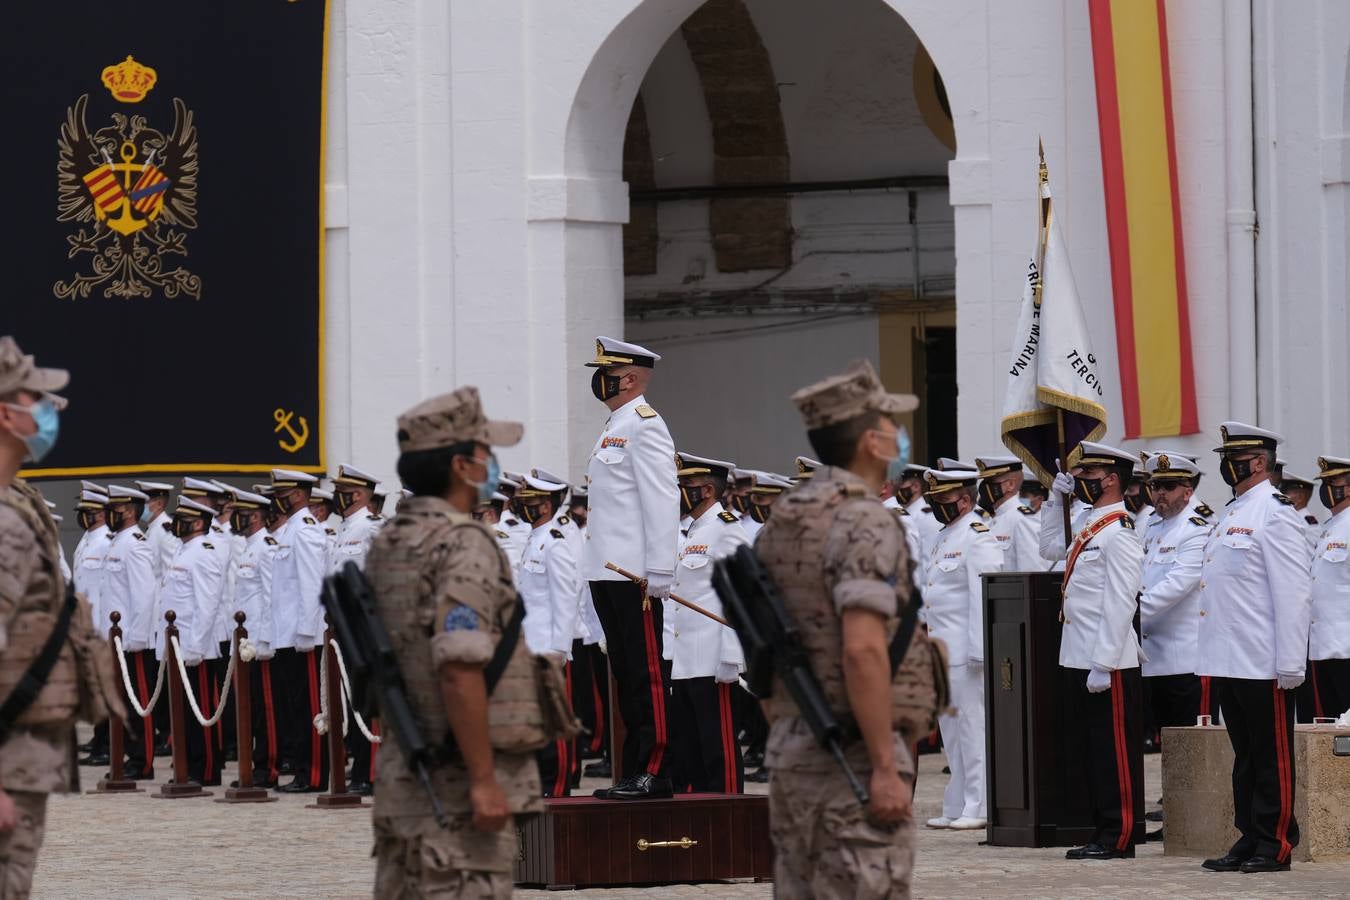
298	438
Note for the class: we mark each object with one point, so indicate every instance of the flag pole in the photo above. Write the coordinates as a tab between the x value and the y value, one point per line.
1042	237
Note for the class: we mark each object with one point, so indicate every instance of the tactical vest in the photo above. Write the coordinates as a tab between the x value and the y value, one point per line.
34	616
792	547
400	573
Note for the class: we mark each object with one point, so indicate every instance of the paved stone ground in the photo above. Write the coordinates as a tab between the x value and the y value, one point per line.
139	847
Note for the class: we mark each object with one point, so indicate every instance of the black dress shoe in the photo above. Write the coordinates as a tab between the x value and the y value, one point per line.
600	769
142	775
643	787
364	788
760	777
754	760
1154	816
95	759
85	747
163	749
1229	862
298	786
286	769
1263	864
1097	851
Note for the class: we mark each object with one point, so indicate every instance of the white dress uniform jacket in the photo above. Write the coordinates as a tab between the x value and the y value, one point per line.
750	527
548	585
1169	603
912	541
354	536
698	643
1312	529
926	526
229	546
297	579
252	580
1255	602
515	533
1330	634
263	630
192	589
1017	531
634	496
1101	598
129	588
952	592
162	544
87	568
576	539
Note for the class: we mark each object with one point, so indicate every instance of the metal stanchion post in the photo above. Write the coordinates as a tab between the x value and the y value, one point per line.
116	782
243	703
182	786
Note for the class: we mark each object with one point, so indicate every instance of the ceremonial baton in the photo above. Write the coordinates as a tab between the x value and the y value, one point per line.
680	600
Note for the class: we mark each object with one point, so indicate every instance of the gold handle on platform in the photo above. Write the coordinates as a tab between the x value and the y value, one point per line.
683	843
1006	674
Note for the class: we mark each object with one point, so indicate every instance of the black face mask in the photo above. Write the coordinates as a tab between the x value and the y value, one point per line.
759	512
1235	471
738	503
1089	490
114	520
946	513
240	522
1136	502
85	520
991	492
604	386
1331	494
280	506
532	514
690	497
182	529
344	500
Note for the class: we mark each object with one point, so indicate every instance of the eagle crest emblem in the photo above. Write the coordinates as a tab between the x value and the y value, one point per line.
131	190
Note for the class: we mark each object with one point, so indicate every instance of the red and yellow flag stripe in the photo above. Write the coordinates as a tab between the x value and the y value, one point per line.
1143	216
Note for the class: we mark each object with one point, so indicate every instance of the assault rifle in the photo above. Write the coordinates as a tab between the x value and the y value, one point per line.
773	645
377	683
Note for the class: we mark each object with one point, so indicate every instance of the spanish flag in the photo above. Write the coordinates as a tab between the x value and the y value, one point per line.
1143	216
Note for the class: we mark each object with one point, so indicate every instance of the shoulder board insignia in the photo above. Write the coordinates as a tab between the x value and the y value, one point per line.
926	509
208	546
646	412
1127	523
1199	520
511	523
979	527
1283	499
556	533
1311	520
1026	510
309	521
500	533
1204	510
375	517
901	511
726	517
271	541
563	520
216	529
138	536
330	531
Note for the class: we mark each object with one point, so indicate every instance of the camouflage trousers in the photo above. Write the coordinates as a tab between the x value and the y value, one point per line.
416	858
825	848
19	848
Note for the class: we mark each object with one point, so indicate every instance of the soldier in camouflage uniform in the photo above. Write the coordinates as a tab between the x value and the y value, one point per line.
38	756
445	593
840	563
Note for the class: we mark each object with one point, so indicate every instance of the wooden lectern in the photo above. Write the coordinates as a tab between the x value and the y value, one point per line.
1037	788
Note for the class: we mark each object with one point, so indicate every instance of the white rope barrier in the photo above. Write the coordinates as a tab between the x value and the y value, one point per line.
347	694
142	711
187	685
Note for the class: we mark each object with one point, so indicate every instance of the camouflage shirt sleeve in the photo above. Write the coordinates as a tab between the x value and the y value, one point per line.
18	557
865	558
471	578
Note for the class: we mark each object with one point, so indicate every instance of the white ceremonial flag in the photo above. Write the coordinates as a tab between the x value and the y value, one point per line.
1053	401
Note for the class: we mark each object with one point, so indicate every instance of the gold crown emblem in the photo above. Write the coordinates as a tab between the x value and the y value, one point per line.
932	479
599	349
1164	463
129	81
1322	463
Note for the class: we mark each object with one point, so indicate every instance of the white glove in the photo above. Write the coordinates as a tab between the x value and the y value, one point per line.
1063	484
604	648
1290	682
191	659
1098	680
304	643
247	650
263	650
658	585
728	673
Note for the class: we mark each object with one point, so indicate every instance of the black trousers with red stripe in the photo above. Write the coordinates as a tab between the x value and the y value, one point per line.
1260	721
203	743
1331	679
590	696
143	668
706	753
633	639
266	749
1105	731
296	676
1177	700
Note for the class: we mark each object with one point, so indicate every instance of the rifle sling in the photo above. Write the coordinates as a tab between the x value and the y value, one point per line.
39	670
899	646
493	671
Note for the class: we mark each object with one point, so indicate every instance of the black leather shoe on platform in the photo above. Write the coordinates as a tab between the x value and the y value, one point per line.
1229	862
643	787
1263	864
1097	851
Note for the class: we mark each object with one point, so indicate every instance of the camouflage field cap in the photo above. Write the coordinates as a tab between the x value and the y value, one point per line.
846	396
453	419
20	373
